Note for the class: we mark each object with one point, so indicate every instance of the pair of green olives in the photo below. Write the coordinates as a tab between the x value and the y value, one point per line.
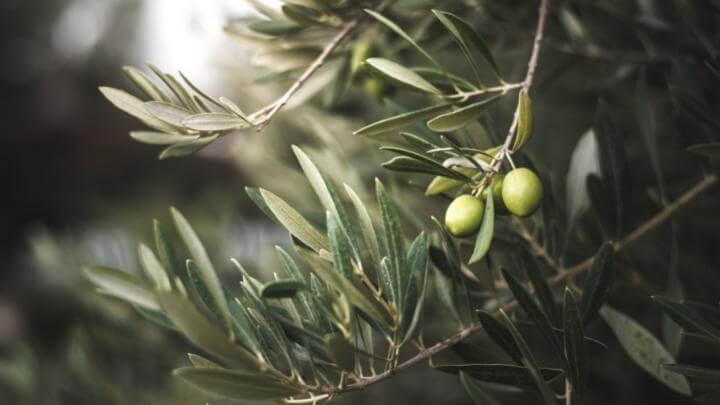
518	193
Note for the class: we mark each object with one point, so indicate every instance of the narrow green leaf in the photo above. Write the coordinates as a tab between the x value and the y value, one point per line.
215	122
426	161
201	362
442	184
123	285
461	117
614	168
500	334
274	28
533	310
294	222
167	112
529	361
145	84
135	107
417	313
475	391
598	282
541	288
161	138
180	92
644	349
202	260
525	121
687	317
394	240
487	229
187	148
340	247
508	374
402	120
574	342
153	268
400	74
234	384
703	374
282	288
468	39
366	225
341	351
164	249
258	199
388	23
202	333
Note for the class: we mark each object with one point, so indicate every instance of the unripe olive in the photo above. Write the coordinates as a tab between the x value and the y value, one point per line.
496	187
464	215
376	87
522	192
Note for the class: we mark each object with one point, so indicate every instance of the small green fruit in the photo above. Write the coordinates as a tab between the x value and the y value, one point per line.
464	215
375	87
522	192
496	187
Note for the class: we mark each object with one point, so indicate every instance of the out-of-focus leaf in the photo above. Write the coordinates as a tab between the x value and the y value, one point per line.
202	260
201	362
282	288
461	117
161	138
187	148
687	317
400	74
613	167
294	222
574	342
598	282
648	127
508	374
235	384
525	121
402	120
703	374
475	391
153	268
274	27
341	351
384	20
164	249
123	285
202	333
644	349
585	161
487	229
541	288
468	39
710	150
214	122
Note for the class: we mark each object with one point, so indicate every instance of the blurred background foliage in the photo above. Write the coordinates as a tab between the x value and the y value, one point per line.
80	191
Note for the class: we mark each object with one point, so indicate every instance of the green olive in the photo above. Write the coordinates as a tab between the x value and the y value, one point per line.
464	215
496	187
522	192
375	87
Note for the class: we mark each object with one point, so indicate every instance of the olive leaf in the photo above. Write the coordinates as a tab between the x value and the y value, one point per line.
123	285
233	384
461	117
487	229
400	74
282	288
525	121
402	120
574	343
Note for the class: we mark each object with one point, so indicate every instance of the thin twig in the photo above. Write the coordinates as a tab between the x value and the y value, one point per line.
269	111
641	230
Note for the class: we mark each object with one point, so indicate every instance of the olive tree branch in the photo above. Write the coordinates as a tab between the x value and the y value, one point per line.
662	216
267	113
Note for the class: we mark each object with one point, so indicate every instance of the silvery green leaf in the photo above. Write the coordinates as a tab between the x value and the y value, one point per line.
486	232
274	27
687	317
215	121
461	117
400	74
153	268
164	249
464	162
501	335
342	352
294	222
282	288
598	282
475	391
508	374
135	107
574	343
123	285
525	121
233	384
167	112
644	349
402	120
394	239
187	148
162	138
174	85
366	225
388	23
201	362
206	269
145	84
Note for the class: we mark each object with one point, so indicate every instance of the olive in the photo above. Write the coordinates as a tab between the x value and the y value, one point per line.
522	192
464	215
376	87
496	187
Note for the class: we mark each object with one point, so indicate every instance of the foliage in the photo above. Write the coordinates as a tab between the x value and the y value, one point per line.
352	296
